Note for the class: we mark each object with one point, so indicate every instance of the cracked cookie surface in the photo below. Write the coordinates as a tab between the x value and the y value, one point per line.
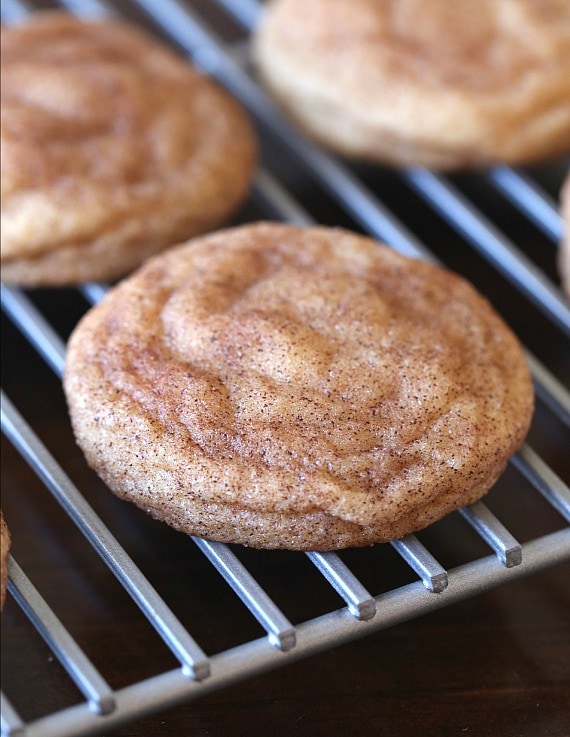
113	148
296	388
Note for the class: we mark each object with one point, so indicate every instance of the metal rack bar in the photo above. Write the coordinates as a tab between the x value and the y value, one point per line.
360	602
195	663
507	548
268	190
530	198
259	656
10	721
37	329
508	259
89	8
246	12
551	391
281	632
543	479
89	681
433	575
14	10
93	292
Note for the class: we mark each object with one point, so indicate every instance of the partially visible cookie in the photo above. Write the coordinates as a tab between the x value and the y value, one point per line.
294	388
113	147
564	253
5	542
438	84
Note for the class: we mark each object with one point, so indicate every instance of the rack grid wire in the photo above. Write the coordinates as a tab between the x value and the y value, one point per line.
499	227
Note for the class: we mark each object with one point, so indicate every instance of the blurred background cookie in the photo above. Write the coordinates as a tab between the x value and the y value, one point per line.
438	84
113	147
294	388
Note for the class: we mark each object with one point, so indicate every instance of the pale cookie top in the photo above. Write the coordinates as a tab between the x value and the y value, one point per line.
113	147
439	83
276	370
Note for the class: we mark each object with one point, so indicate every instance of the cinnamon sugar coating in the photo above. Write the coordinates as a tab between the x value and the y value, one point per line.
296	388
438	84
113	147
5	543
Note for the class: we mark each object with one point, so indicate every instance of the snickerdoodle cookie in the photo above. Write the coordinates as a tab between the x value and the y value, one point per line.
5	542
113	147
406	82
296	388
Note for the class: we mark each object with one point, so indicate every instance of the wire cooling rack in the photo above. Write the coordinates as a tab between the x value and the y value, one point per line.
500	228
